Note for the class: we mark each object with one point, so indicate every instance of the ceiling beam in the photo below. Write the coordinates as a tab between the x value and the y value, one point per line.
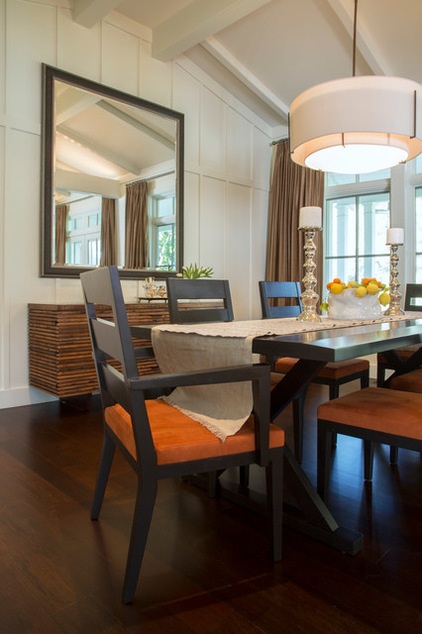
89	12
365	43
197	21
231	63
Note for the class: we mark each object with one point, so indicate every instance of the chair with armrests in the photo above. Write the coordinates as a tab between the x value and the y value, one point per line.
333	374
216	293
158	440
412	295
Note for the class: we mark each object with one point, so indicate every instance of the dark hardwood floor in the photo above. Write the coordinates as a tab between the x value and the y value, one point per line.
206	569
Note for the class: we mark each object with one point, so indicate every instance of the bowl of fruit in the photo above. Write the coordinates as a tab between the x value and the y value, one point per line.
356	300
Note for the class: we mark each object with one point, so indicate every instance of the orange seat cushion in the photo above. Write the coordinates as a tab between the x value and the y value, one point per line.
379	409
409	382
332	371
178	438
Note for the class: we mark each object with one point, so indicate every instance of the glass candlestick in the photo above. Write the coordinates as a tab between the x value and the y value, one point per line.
395	295
309	297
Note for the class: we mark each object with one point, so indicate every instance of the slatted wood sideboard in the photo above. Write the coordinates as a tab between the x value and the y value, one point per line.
60	358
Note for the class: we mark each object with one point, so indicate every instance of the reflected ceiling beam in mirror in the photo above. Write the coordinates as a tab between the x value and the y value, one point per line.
102	152
86	183
88	12
195	22
153	134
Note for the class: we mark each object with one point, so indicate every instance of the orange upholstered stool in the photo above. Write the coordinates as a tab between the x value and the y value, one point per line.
333	374
374	414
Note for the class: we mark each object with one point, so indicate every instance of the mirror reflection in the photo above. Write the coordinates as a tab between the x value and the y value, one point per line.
113	179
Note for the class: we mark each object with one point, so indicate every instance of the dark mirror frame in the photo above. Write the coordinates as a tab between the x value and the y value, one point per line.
49	76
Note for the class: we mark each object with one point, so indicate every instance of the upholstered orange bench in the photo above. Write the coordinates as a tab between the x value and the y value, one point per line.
374	414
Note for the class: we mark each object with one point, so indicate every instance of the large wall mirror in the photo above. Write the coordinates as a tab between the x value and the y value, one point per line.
112	180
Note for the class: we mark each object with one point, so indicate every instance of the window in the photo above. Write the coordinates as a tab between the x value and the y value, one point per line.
163	232
83	232
357	215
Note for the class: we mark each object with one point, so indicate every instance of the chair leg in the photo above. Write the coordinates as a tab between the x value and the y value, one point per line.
274	482
145	500
106	460
394	455
368	460
334	392
298	415
324	447
244	476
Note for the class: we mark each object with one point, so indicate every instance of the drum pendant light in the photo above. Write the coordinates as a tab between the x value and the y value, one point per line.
357	124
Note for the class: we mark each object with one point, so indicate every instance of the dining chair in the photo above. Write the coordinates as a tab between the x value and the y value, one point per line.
158	440
412	302
333	374
198	300
374	414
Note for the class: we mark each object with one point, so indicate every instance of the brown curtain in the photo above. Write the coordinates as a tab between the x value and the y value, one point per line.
60	237
108	232
292	187
136	219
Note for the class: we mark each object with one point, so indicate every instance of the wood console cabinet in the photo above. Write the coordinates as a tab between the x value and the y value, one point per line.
60	358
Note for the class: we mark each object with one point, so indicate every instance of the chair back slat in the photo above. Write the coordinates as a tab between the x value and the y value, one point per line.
270	292
110	337
204	291
413	293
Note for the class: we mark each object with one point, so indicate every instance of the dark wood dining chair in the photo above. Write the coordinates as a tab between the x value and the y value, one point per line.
333	374
198	300
158	440
374	414
412	302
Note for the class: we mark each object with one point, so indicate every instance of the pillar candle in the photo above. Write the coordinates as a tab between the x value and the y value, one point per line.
395	236
310	217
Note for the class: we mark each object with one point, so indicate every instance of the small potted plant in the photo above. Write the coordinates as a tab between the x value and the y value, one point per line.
193	271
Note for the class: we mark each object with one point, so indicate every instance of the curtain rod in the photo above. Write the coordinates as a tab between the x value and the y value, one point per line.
279	141
148	178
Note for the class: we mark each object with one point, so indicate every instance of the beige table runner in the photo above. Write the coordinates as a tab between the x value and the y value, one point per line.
224	408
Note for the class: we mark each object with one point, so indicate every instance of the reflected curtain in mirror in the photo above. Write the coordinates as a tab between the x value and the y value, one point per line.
136	222
108	232
292	187
60	235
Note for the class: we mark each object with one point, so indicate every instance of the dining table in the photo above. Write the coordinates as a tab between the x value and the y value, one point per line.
189	347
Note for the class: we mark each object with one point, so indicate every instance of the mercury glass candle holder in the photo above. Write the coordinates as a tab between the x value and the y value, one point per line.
395	295
309	297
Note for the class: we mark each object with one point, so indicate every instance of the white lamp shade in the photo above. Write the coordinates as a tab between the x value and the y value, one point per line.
357	125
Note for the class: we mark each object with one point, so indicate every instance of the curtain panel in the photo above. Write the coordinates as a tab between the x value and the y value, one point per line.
292	187
136	222
108	232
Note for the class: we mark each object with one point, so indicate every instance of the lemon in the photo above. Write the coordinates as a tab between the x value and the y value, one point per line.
360	291
372	288
384	298
353	284
336	288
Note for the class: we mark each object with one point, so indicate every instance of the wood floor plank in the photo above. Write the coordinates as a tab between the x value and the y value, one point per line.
206	569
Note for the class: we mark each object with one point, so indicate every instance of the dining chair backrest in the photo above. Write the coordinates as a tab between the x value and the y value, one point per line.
198	300
413	294
271	291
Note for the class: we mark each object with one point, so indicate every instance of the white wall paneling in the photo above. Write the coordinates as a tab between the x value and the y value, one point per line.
227	159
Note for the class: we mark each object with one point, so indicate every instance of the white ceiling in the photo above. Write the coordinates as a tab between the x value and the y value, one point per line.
268	51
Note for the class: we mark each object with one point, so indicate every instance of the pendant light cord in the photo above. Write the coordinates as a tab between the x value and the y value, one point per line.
354	39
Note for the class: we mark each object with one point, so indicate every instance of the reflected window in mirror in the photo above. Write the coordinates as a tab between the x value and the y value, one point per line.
113	167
